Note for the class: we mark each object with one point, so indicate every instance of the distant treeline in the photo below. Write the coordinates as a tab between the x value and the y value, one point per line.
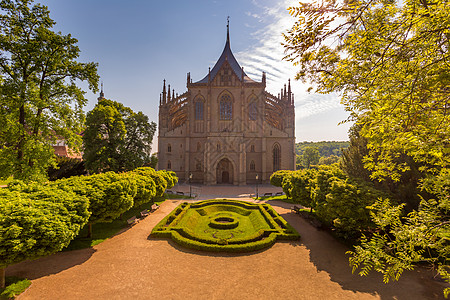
325	149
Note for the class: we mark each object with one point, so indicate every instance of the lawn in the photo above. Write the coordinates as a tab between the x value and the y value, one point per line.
103	231
224	225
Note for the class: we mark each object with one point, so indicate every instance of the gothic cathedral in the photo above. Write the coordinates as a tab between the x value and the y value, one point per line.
226	129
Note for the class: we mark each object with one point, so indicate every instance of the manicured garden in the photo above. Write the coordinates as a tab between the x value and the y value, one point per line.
224	225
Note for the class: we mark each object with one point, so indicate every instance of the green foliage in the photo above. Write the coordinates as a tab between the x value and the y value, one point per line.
254	226
109	194
389	61
422	236
116	138
276	179
66	167
326	149
298	186
146	188
14	287
346	207
310	157
39	100
31	227
170	177
332	159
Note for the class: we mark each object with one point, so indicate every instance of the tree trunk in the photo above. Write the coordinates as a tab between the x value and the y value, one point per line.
89	235
2	278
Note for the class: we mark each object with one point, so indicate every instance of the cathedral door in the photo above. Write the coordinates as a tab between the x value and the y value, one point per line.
224	172
225	177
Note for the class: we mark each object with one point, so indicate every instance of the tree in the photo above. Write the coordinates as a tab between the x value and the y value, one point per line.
310	157
389	60
39	99
116	138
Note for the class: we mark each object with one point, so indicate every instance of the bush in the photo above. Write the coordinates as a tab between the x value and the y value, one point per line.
346	205
298	185
158	178
276	179
145	188
31	228
110	194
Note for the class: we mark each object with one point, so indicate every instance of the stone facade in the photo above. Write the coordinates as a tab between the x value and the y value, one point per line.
226	129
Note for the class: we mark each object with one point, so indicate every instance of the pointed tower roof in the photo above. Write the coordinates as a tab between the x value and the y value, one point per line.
227	56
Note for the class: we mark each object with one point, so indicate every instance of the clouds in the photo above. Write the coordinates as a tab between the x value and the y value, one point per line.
267	55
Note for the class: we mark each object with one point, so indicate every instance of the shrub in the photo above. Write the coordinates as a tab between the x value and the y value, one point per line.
346	205
276	179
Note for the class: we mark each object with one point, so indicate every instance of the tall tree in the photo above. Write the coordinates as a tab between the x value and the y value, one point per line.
310	157
39	99
390	61
116	138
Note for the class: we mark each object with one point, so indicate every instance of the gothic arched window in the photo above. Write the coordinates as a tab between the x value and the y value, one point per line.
169	165
252	111
252	166
276	157
199	110
169	148
226	108
252	148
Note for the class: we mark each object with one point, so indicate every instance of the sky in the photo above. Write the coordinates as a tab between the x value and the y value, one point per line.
138	43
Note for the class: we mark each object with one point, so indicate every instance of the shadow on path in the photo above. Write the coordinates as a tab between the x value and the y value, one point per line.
328	255
50	265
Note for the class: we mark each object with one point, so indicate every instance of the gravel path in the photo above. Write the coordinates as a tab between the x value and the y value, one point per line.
130	265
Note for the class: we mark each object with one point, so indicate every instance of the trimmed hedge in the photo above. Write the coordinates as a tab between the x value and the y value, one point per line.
259	226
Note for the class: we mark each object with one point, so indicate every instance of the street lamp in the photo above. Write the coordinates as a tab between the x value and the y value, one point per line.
190	186
257	186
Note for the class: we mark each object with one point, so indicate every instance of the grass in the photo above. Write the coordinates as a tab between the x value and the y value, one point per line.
224	225
283	198
14	287
175	196
103	231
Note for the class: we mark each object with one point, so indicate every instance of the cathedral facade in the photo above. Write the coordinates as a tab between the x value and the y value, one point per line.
226	129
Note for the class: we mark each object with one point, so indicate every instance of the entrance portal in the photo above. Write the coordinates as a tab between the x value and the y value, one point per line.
224	171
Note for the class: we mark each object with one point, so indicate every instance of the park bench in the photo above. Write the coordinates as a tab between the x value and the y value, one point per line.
154	207
169	192
180	193
296	209
133	220
267	194
279	194
145	213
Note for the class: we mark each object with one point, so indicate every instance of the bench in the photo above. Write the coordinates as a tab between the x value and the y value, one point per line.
169	192
180	193
296	209
279	194
267	194
145	213
133	220
154	207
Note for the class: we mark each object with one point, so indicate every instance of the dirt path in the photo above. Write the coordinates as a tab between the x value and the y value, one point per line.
130	265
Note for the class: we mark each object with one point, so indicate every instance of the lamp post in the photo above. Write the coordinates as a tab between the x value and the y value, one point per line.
257	186
190	186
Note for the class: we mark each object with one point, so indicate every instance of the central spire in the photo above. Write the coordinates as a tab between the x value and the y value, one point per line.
226	57
228	29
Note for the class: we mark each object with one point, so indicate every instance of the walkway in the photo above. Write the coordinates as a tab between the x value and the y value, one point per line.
132	266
